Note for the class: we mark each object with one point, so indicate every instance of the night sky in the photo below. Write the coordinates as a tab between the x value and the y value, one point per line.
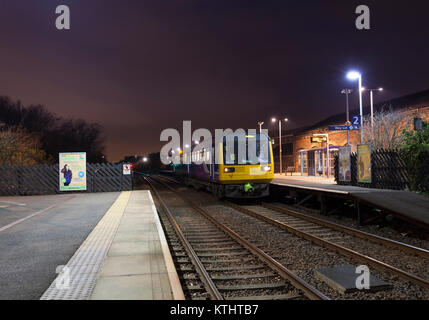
138	67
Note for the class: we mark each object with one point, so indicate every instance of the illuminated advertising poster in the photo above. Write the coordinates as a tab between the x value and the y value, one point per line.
344	163
72	171
364	163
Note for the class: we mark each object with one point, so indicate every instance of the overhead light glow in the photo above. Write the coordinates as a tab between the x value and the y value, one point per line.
353	75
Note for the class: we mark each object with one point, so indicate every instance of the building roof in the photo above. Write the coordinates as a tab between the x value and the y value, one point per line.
411	101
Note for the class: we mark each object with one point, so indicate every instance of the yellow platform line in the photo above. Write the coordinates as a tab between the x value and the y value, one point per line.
78	278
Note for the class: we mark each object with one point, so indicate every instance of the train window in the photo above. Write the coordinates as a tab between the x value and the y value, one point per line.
231	154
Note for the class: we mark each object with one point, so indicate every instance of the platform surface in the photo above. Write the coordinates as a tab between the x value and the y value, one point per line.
138	264
408	205
39	233
125	257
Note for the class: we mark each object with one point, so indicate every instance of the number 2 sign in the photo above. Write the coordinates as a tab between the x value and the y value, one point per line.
356	121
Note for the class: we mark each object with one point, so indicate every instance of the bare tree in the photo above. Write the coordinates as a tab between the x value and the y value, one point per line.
385	133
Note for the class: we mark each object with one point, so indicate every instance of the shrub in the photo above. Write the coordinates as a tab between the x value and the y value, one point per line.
415	153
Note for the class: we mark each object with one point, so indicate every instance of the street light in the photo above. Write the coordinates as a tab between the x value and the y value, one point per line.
354	75
372	107
347	92
144	159
260	126
280	141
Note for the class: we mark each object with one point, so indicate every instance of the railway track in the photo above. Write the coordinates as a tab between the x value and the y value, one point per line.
217	263
393	259
332	236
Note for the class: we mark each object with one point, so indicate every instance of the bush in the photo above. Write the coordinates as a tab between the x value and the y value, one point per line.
415	153
19	148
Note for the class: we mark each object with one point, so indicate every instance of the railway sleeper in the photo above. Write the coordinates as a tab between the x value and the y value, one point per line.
226	260
289	296
212	242
222	254
232	276
236	268
205	238
218	249
253	286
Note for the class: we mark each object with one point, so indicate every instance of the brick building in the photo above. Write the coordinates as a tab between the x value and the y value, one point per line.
301	155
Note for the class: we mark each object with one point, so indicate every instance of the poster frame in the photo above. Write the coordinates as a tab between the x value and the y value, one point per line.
342	177
60	174
365	180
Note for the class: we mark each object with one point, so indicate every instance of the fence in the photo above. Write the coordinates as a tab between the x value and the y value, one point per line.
388	171
44	179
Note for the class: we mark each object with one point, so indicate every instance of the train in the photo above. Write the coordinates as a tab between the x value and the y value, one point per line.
229	178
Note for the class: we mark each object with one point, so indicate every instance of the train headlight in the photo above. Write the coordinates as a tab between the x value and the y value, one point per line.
228	169
266	168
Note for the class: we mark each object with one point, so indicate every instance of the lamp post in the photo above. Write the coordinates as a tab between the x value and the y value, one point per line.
347	92
372	107
328	160
260	126
280	141
353	75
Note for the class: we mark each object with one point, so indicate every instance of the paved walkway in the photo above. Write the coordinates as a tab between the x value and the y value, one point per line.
406	205
40	233
126	257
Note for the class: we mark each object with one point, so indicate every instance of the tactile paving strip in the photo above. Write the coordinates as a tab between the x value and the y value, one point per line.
87	260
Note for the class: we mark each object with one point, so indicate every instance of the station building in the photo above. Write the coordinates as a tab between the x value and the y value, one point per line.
303	153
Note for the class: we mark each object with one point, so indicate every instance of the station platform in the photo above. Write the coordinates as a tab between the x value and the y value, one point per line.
408	206
125	257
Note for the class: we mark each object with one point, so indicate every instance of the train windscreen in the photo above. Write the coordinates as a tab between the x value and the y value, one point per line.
259	155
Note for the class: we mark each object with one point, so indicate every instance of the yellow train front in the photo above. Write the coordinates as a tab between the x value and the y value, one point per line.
231	174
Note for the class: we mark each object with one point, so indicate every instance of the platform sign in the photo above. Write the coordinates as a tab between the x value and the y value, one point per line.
355	125
343	128
356	121
72	171
364	163
344	154
318	139
126	168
